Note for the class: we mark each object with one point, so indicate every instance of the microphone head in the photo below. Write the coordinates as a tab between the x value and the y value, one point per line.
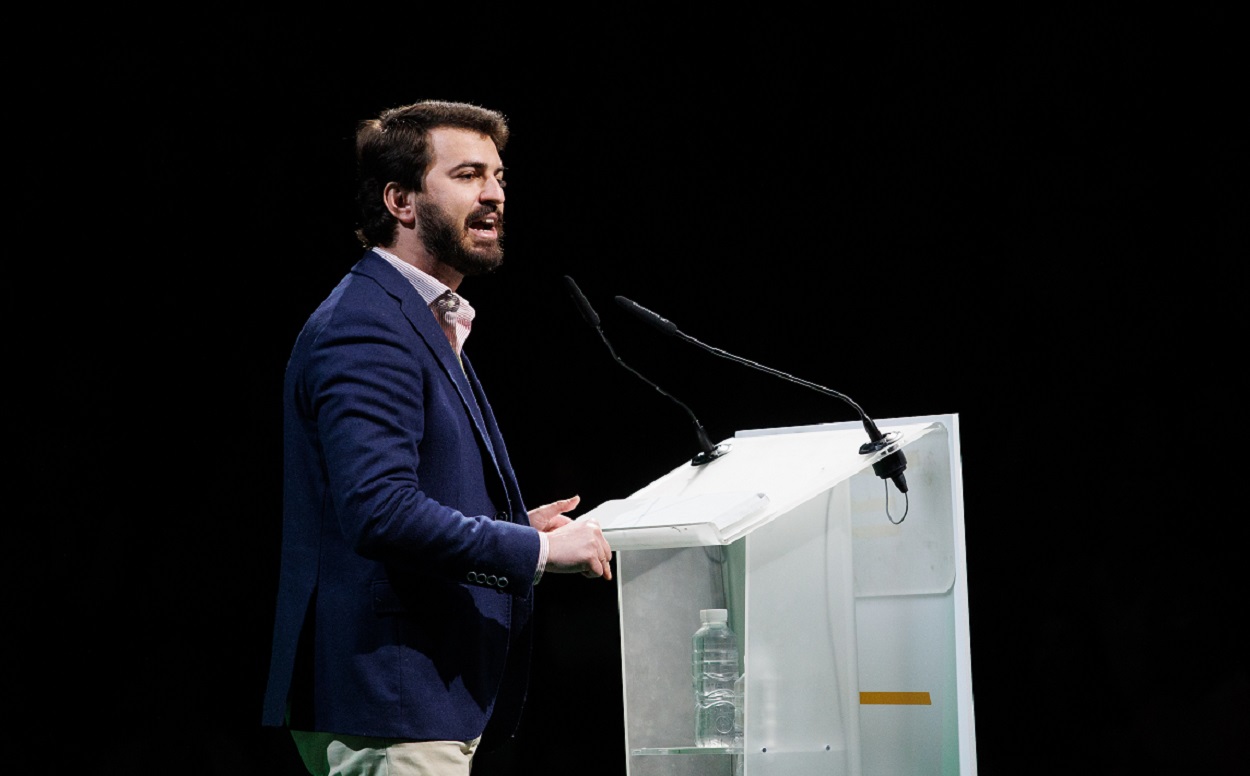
663	324
583	304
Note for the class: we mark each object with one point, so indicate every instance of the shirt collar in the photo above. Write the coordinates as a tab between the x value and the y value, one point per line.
455	315
426	285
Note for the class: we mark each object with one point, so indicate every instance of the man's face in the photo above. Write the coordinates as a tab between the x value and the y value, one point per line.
460	209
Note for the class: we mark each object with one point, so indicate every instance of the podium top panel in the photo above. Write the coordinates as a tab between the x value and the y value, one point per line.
766	473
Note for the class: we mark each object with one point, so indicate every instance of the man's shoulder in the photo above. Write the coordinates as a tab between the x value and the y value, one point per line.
371	276
359	298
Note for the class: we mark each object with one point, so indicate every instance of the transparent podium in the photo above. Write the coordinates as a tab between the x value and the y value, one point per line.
848	597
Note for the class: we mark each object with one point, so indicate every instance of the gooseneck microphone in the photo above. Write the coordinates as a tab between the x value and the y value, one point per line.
707	450
890	467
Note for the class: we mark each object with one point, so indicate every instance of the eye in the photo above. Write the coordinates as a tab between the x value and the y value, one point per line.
503	184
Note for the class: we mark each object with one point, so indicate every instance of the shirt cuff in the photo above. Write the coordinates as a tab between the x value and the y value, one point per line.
542	556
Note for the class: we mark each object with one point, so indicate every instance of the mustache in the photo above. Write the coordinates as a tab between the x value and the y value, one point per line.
482	211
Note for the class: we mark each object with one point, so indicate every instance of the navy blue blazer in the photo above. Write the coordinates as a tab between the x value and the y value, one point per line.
408	561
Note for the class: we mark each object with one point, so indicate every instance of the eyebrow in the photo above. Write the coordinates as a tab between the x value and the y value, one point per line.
477	166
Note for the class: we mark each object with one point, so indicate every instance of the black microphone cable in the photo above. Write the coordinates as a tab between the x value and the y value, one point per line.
890	467
707	450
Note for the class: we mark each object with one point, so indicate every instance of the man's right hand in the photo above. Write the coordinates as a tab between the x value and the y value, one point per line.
579	548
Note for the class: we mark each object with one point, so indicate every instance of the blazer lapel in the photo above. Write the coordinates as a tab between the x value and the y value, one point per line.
423	322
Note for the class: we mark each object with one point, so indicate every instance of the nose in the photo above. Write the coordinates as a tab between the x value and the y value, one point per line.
493	191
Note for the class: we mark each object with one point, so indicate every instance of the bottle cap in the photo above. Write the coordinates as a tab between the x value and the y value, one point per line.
713	615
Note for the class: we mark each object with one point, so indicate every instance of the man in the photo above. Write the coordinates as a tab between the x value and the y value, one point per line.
408	556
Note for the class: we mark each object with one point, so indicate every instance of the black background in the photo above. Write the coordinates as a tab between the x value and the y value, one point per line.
1034	220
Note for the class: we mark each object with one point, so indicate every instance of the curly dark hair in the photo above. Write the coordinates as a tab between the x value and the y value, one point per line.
395	147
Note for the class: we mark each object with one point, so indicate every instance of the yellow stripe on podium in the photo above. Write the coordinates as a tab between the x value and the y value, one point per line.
894	699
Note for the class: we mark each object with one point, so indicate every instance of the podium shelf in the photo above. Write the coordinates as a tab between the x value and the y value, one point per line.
688	749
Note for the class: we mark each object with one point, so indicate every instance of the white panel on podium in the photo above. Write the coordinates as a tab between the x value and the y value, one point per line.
849	599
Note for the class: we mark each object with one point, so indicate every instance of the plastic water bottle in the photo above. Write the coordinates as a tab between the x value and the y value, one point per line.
715	673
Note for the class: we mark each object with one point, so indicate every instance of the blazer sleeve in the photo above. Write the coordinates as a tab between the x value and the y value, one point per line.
379	398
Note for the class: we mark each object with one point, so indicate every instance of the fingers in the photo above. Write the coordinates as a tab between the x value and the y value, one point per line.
548	517
600	567
558	507
603	556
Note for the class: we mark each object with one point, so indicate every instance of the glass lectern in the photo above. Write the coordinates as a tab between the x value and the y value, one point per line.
849	599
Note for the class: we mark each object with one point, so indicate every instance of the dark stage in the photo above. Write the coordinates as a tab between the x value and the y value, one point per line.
1030	220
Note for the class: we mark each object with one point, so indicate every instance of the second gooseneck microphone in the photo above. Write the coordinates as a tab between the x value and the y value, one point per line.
890	467
707	450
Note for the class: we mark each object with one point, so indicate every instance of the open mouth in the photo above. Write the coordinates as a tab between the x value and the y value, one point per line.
487	226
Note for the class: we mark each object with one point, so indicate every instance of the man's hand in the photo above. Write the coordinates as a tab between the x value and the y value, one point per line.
572	547
551	516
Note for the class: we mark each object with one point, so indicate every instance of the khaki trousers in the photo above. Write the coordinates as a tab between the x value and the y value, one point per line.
330	754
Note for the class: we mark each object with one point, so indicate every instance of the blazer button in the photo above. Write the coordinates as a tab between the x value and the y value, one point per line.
501	515
503	582
473	576
492	580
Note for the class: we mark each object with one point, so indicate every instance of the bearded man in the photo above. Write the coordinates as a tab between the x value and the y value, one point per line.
409	558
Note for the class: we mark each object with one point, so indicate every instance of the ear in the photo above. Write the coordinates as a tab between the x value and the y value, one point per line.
401	202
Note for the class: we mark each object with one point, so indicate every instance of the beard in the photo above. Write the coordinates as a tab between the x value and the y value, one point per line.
451	243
